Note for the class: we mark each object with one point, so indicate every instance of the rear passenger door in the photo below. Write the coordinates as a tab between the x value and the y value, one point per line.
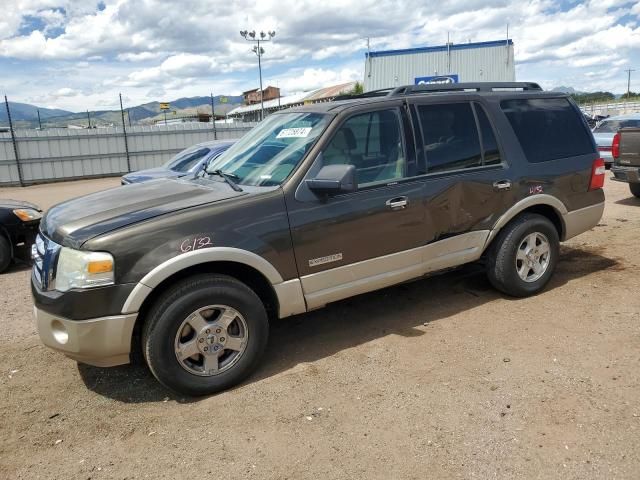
467	180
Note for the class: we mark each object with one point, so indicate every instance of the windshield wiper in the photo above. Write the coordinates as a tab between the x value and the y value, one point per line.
227	178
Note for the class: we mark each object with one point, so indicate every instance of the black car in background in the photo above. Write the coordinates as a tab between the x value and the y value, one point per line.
188	161
19	223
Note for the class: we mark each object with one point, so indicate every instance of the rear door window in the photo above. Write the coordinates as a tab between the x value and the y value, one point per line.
548	128
450	137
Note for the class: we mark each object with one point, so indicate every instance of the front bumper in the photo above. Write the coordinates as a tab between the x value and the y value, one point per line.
103	342
625	174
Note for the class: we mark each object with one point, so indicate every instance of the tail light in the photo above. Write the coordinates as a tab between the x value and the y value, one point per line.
615	146
597	175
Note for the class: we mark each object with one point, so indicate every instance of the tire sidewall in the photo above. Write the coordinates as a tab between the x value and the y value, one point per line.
160	341
635	189
534	225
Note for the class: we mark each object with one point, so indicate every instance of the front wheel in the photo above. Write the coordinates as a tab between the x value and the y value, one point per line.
206	334
635	189
523	256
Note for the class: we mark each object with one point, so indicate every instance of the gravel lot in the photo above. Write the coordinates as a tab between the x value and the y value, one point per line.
439	378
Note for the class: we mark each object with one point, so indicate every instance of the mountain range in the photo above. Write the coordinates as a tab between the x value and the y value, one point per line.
25	115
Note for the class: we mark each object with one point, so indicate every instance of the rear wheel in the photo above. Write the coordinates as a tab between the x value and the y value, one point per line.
523	256
206	334
635	189
5	253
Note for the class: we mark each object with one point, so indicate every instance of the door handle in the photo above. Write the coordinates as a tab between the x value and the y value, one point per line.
502	185
397	203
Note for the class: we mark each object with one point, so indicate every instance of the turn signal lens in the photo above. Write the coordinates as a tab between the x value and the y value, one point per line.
27	214
101	266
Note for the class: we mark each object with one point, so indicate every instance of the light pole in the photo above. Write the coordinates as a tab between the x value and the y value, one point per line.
259	51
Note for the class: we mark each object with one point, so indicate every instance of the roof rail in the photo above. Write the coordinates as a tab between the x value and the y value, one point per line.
383	92
464	87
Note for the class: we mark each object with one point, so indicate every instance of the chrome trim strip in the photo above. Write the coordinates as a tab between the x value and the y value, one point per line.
581	220
361	277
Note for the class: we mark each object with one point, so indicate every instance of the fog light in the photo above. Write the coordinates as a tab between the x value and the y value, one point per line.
59	332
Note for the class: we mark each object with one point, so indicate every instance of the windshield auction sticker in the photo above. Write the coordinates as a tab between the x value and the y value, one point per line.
302	132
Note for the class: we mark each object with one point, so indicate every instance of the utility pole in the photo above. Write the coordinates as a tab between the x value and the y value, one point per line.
259	51
213	117
629	70
88	119
124	130
39	121
15	143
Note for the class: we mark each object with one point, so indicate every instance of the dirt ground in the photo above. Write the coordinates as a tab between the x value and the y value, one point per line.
440	378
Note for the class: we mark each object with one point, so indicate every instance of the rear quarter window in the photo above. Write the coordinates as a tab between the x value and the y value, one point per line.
548	128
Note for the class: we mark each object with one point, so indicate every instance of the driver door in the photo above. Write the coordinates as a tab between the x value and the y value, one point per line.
355	242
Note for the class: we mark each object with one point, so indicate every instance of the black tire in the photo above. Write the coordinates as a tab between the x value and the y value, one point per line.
501	257
5	253
166	316
635	189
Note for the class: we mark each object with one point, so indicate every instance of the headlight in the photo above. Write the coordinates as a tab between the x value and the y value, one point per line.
27	214
81	269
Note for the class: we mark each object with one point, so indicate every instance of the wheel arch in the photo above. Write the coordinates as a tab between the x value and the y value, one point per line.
545	205
248	275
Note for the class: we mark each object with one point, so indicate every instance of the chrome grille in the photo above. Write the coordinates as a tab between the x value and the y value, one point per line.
45	257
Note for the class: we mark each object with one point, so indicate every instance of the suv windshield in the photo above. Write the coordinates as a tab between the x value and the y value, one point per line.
271	151
612	126
187	159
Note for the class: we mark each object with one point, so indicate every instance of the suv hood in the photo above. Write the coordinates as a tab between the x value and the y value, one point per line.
74	222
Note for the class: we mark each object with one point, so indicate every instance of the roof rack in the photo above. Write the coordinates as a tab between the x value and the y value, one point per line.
383	92
464	87
443	87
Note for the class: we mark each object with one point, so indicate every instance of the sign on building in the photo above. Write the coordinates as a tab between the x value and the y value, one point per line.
453	78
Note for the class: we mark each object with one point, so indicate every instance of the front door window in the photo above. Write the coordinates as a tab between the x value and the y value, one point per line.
372	142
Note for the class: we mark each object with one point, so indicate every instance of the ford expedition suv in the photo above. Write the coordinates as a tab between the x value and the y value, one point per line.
315	204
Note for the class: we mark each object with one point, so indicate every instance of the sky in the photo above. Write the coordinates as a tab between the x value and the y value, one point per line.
79	54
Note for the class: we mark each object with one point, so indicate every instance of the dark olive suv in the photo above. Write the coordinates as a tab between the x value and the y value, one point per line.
314	205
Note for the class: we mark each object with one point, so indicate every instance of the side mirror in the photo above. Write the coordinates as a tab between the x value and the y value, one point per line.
334	179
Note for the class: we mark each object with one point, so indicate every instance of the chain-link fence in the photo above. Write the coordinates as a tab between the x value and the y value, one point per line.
42	155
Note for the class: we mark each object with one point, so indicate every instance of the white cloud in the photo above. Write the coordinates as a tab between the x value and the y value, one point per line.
180	48
66	92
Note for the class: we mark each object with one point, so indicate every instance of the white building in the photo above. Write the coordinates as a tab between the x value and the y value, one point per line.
452	63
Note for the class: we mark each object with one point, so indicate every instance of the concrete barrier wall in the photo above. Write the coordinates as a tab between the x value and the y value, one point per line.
63	154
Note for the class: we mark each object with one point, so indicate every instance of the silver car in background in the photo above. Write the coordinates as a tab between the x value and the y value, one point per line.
603	133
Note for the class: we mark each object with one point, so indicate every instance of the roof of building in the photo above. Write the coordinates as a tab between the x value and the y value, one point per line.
297	98
440	48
